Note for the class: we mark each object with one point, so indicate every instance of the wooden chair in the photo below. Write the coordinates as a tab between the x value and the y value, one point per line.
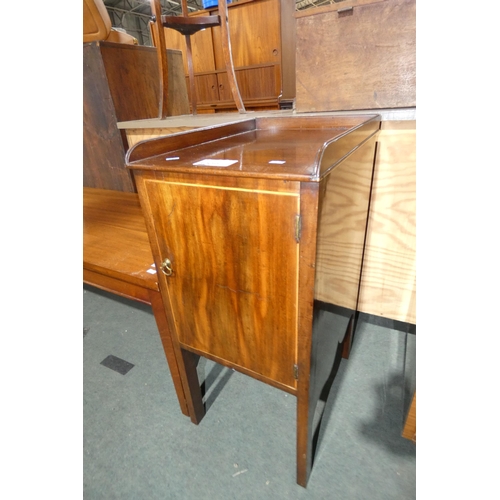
188	26
97	25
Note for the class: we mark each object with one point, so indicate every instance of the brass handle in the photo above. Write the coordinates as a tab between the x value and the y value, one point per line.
166	267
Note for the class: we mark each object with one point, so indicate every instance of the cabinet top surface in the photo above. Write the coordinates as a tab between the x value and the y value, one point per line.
288	148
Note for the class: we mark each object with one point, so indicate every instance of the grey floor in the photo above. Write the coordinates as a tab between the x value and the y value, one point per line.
138	445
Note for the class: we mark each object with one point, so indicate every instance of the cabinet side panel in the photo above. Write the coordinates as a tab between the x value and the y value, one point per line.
234	258
345	195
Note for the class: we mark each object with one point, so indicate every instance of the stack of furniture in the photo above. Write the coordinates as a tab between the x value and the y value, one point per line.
264	229
120	82
263	53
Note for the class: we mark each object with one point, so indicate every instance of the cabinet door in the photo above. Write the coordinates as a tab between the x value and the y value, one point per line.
234	257
262	82
255	34
207	90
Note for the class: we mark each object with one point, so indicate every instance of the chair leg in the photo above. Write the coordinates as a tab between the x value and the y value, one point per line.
166	339
192	85
228	58
161	50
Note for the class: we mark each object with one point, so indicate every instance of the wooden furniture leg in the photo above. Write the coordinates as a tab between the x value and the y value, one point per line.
187	26
193	388
161	50
166	340
228	58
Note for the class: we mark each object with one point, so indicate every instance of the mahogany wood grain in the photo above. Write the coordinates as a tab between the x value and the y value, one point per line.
255	34
366	60
255	83
134	81
103	149
309	202
268	152
207	88
167	144
228	288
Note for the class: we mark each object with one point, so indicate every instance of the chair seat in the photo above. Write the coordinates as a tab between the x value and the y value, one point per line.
190	25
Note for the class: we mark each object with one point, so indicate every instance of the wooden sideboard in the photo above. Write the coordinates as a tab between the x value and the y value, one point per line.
263	47
245	222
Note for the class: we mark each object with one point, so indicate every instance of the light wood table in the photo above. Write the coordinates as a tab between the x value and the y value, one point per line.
117	258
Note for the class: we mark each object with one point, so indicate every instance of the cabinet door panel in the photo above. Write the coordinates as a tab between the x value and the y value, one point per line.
206	88
255	34
263	82
233	290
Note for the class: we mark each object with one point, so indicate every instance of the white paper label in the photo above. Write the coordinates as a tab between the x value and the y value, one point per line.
215	163
278	162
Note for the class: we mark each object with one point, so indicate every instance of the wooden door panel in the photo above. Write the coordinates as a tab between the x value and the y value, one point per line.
234	257
262	82
255	34
206	88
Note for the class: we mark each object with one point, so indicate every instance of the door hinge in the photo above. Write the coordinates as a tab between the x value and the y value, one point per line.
298	228
296	372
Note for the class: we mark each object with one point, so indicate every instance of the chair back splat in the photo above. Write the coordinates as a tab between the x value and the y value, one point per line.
188	26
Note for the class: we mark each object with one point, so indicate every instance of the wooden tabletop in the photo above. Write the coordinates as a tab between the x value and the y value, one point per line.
298	148
115	239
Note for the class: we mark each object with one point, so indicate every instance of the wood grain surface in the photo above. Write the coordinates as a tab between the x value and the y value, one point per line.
388	286
362	58
343	215
103	149
231	296
238	244
135	135
115	239
134	81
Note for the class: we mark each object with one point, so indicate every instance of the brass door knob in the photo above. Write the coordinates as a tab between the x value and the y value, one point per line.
166	267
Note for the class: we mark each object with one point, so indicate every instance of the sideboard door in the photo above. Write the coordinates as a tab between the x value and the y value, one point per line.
232	273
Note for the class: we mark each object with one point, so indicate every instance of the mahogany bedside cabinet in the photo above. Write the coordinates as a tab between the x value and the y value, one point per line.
256	227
